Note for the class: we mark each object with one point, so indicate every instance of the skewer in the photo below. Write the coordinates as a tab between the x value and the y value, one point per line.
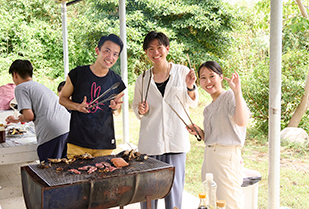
148	85
189	61
178	115
114	86
143	75
113	96
198	137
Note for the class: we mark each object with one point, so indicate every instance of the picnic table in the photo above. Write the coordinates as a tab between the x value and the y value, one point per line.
19	148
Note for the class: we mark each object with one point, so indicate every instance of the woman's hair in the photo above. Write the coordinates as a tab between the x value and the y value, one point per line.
211	65
161	37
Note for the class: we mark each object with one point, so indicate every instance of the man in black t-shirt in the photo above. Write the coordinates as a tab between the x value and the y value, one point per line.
92	125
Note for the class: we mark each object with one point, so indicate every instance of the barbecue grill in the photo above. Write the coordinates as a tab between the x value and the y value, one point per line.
140	181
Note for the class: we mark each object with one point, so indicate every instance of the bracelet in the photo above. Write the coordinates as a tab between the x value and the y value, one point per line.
191	89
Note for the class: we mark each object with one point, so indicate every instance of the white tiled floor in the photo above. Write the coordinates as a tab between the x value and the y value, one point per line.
11	191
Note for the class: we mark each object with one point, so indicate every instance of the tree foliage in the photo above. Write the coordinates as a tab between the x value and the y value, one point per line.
250	56
33	30
199	28
237	36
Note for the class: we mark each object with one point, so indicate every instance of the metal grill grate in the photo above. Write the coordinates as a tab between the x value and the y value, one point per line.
53	178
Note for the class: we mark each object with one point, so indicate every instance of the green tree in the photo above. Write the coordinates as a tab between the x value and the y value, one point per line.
250	56
199	28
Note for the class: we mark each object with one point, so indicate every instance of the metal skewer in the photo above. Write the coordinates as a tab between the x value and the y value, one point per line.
189	61
178	115
114	86
198	137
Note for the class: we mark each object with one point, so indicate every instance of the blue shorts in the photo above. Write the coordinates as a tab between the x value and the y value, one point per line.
54	149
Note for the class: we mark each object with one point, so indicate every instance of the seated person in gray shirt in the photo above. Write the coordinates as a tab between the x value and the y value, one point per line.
39	104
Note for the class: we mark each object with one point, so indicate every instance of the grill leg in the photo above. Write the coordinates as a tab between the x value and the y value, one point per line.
121	207
148	201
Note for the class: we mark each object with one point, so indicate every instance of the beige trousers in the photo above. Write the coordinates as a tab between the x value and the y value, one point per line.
77	150
226	165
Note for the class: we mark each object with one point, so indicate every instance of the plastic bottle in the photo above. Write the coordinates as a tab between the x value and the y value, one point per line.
23	126
212	187
206	190
221	204
202	204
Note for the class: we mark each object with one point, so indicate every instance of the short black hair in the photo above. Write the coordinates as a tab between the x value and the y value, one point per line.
211	65
22	67
60	86
111	37
161	37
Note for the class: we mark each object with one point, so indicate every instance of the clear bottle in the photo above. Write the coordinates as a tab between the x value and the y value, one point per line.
212	188
221	204
206	190
202	204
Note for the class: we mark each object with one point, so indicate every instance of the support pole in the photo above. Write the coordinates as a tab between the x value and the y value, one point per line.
124	70
65	38
275	104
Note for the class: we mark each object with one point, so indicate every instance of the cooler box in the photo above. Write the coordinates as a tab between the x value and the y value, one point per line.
250	188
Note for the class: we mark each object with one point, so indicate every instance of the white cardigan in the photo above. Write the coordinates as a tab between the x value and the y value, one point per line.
161	131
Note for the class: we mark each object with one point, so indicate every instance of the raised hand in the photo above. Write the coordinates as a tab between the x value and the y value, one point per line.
234	82
190	78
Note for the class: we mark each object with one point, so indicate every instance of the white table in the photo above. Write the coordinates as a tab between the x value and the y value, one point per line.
18	149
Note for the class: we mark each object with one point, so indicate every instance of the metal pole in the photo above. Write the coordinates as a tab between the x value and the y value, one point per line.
124	70
65	38
274	104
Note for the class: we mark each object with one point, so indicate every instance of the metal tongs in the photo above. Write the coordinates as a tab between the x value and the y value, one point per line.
147	90
143	75
198	137
113	96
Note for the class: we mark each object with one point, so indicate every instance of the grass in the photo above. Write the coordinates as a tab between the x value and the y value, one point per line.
294	165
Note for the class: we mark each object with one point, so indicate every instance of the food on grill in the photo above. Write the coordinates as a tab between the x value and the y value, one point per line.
85	156
99	165
54	160
84	168
68	161
106	164
59	169
129	155
111	168
92	169
44	165
15	131
119	162
142	157
59	160
74	171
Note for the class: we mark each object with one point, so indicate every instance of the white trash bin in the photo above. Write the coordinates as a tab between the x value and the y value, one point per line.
250	188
